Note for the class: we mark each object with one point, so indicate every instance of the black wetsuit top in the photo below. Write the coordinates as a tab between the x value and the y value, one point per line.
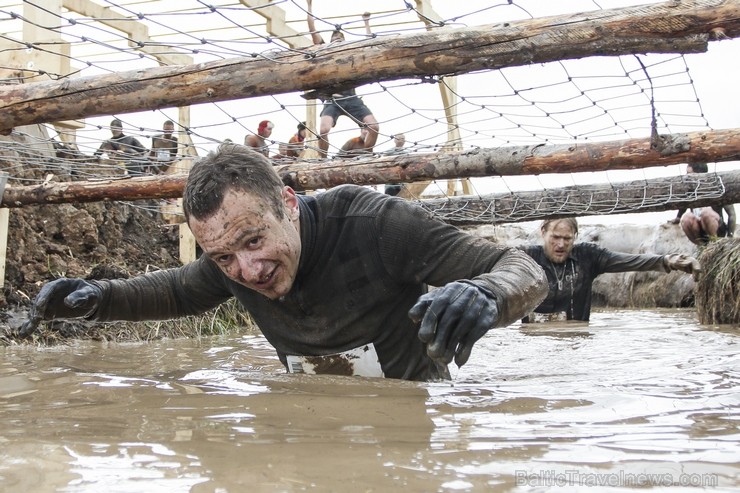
570	282
365	259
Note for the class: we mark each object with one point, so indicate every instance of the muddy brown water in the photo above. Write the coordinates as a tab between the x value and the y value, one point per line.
632	400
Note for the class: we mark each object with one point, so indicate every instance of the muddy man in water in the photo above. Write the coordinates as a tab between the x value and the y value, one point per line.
337	276
571	269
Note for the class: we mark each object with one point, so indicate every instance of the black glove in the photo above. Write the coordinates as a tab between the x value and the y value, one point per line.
62	298
452	318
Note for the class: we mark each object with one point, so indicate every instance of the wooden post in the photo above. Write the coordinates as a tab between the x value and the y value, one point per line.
4	218
312	141
187	244
450	100
187	240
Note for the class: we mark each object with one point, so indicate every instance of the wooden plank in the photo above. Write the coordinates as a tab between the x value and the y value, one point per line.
4	219
187	244
276	24
137	31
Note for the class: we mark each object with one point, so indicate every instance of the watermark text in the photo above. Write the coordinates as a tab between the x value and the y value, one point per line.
575	477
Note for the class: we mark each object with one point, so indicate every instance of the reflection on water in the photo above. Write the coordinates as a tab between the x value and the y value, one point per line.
635	398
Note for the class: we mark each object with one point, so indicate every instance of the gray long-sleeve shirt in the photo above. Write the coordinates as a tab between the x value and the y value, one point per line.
570	283
365	260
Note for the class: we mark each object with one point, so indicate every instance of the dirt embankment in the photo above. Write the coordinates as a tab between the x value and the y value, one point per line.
93	240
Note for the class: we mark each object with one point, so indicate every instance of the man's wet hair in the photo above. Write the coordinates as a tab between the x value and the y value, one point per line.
231	167
571	221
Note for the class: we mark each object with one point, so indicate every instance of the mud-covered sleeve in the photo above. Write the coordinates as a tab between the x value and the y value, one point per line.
518	283
419	248
609	261
172	293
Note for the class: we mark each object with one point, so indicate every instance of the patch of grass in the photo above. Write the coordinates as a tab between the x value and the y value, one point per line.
718	288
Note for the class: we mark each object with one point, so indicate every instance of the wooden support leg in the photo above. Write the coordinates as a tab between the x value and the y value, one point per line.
4	216
187	244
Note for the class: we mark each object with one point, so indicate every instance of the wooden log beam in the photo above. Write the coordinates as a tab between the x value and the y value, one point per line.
670	27
148	187
607	199
658	194
693	147
715	146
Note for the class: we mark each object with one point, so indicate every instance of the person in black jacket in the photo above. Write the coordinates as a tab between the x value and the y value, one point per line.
571	269
125	148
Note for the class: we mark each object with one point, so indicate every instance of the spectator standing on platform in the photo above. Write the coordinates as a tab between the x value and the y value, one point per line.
343	102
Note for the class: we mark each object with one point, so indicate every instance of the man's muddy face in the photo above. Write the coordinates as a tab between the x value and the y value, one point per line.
558	241
251	244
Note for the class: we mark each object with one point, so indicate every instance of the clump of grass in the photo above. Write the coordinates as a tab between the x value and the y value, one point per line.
718	288
227	318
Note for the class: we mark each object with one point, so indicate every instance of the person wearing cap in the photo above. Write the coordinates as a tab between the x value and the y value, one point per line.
264	130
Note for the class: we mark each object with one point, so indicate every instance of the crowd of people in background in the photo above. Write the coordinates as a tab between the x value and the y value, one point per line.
164	149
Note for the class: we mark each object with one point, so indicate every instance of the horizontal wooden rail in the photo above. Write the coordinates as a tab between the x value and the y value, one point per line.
712	146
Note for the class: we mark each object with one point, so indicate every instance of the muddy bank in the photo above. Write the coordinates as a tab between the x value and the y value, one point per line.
93	240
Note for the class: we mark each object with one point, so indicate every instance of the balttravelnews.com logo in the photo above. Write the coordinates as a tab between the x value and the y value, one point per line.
575	477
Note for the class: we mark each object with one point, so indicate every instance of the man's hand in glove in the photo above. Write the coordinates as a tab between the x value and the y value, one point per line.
62	298
682	262
452	318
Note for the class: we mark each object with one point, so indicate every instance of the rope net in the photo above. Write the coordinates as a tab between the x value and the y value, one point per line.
570	101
